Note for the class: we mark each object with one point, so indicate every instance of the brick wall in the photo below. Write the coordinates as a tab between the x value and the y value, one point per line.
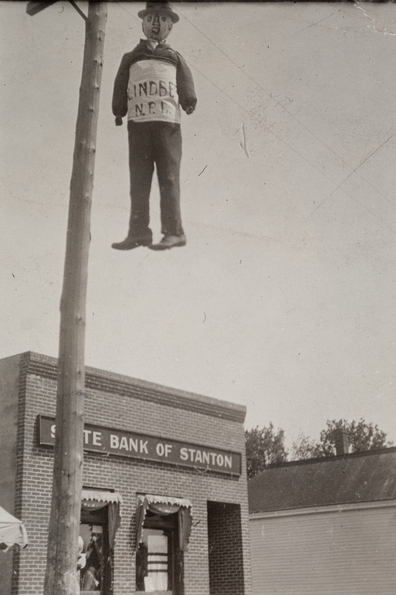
226	573
128	412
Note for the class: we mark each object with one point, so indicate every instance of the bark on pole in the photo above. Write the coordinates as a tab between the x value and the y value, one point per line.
61	575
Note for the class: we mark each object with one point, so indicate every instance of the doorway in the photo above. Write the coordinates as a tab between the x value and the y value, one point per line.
95	577
159	562
226	576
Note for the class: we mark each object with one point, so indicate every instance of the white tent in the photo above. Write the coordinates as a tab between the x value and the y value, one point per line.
12	531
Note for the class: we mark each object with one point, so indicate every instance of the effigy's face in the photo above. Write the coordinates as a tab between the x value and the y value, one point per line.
156	26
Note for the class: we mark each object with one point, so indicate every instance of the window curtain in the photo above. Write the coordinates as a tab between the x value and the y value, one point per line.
114	521
185	521
164	505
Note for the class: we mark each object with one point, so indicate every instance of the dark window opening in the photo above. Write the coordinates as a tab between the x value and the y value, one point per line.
96	575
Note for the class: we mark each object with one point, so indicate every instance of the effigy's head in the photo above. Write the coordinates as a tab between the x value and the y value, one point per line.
158	19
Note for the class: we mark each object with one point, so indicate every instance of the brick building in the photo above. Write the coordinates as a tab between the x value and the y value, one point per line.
171	464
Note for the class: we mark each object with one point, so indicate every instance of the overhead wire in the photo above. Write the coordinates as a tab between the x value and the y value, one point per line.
278	103
356	168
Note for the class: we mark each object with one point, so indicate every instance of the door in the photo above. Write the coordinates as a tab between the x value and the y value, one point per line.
158	560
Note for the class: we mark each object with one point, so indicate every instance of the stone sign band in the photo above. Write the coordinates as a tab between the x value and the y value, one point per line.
151	448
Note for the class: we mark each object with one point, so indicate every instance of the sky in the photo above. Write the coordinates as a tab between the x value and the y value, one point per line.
283	299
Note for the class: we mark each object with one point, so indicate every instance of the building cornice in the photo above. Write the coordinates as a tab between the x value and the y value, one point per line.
109	382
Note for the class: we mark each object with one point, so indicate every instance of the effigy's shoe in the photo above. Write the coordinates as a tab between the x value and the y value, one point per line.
130	243
168	242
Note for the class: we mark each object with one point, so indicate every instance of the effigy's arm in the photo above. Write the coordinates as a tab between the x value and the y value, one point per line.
185	86
120	91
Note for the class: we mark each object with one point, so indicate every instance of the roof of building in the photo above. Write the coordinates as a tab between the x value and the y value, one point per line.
368	476
96	379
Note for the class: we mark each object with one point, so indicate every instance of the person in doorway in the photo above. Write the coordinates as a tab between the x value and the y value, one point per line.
90	582
151	84
91	575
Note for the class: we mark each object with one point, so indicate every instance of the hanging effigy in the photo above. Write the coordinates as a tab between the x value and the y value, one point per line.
152	83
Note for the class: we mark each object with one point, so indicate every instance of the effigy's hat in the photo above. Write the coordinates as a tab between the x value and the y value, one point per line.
163	7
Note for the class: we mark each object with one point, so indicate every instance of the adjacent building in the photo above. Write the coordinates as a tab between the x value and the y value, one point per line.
325	526
164	505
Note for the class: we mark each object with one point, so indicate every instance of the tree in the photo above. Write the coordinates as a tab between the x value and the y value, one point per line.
361	436
264	447
305	448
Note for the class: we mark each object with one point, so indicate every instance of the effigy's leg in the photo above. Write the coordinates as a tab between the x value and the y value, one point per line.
141	167
167	155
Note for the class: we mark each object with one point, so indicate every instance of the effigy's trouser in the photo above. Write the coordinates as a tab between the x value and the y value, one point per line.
156	143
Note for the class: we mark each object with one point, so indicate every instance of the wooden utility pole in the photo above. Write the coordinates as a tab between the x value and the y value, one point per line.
61	575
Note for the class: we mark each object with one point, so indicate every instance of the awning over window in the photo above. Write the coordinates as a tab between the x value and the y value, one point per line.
163	506
97	499
12	531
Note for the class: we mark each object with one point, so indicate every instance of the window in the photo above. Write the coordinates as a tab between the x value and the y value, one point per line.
100	519
163	532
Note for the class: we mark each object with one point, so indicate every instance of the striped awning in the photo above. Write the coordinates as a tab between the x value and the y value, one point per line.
96	499
155	499
12	531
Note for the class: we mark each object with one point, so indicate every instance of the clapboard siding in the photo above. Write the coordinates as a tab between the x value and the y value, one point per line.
349	552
